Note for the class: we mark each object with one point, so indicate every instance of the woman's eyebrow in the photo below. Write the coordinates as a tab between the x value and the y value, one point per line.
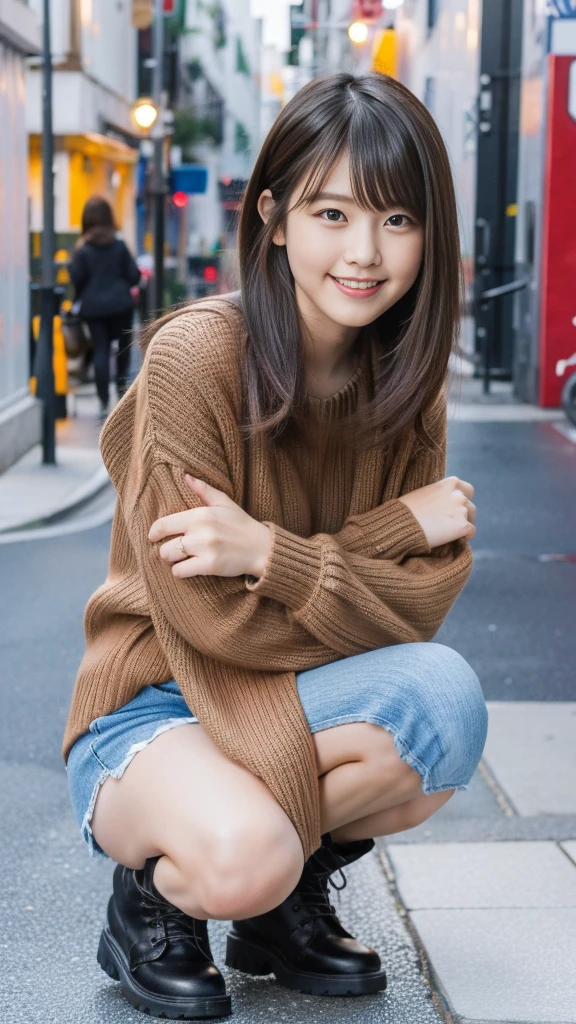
334	195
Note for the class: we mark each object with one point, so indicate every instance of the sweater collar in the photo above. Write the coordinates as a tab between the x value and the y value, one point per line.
344	401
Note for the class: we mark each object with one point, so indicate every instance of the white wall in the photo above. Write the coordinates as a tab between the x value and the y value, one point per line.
13	229
109	45
240	94
59	25
443	67
106	86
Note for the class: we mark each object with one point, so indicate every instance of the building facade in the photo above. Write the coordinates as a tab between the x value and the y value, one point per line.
220	60
19	412
438	43
94	87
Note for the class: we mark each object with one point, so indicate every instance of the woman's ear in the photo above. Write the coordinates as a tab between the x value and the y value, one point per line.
266	204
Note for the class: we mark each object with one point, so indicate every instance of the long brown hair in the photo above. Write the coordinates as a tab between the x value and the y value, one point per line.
397	158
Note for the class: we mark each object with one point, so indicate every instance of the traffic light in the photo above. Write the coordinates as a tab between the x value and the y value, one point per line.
205	267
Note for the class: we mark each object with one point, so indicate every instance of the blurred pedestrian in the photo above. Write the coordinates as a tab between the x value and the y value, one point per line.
103	271
258	700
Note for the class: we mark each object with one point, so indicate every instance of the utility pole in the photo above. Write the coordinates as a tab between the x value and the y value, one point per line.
158	176
44	370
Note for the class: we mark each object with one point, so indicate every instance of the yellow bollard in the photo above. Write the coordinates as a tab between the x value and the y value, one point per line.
58	358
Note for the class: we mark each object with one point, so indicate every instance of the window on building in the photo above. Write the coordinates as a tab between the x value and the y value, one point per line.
242	64
429	85
433	11
241	139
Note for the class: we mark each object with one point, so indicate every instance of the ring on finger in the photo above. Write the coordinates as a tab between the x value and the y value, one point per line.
183	551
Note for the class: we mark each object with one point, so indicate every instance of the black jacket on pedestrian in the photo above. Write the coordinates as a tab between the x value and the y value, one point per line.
103	271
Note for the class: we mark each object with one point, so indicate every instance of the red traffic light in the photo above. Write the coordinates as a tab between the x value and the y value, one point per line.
180	199
210	273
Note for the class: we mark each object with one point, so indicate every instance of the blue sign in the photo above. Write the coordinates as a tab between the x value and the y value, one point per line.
189	178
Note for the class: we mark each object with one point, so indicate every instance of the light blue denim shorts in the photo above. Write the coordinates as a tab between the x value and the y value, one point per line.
425	694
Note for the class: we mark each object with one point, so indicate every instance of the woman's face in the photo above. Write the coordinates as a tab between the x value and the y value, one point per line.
334	244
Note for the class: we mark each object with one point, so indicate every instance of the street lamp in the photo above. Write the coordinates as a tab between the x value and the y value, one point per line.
358	32
144	113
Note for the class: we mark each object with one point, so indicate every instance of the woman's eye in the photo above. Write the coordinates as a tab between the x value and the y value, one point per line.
395	219
332	220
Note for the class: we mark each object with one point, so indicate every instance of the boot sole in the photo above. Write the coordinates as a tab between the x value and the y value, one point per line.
250	958
113	962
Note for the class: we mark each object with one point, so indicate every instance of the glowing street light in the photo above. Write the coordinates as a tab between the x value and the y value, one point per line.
144	113
358	32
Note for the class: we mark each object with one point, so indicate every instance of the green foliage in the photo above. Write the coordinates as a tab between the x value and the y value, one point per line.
189	130
242	140
216	12
242	65
194	67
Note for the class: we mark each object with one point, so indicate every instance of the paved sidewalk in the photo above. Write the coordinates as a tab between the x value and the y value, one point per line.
489	883
33	494
498	918
56	904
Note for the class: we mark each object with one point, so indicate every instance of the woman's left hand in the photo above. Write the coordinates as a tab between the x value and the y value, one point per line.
219	539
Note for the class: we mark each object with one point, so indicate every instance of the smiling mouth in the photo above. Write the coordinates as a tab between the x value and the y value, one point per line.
353	284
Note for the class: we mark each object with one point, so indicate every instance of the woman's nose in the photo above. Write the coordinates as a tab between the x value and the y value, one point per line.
363	249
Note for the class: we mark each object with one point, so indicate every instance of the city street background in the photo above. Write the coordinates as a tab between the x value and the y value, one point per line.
161	106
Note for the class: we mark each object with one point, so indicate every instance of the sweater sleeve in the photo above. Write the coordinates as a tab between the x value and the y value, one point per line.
316	601
216	615
377	580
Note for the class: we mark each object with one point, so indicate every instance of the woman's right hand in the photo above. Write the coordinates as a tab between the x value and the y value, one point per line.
444	510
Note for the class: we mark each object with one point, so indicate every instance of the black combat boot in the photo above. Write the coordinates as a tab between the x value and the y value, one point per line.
302	941
160	956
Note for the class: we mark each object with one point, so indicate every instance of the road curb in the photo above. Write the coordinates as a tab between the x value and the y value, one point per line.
76	500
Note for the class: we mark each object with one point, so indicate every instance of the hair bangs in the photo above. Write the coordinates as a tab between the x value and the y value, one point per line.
385	169
320	164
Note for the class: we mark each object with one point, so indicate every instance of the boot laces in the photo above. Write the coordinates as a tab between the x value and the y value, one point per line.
177	924
314	895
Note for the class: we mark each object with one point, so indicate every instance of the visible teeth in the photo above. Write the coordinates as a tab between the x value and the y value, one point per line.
357	284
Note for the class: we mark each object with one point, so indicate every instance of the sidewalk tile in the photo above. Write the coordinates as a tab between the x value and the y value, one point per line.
503	965
487	875
531	749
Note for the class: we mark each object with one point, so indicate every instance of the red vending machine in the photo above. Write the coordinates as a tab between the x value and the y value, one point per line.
558	281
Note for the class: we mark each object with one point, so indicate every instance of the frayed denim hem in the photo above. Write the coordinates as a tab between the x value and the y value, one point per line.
402	750
86	831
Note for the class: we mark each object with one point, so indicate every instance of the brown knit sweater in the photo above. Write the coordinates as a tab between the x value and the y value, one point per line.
349	568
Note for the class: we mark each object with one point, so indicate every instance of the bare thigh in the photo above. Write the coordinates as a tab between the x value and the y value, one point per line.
180	796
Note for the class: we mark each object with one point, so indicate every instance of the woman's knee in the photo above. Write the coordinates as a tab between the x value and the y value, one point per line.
241	871
455	687
459	709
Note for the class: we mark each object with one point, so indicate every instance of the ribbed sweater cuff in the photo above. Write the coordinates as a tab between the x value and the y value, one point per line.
292	570
390	529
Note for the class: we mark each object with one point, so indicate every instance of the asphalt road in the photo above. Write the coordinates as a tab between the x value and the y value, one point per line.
514	623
